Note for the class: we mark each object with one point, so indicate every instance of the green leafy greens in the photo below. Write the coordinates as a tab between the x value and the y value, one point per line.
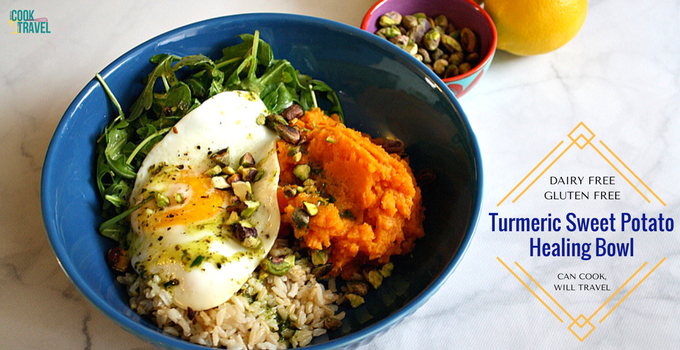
126	141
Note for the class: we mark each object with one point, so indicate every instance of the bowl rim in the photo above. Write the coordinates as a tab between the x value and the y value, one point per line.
156	336
479	66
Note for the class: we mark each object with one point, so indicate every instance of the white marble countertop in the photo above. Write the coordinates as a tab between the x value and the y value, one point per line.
620	76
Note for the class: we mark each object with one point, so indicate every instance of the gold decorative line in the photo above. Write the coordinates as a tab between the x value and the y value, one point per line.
617	291
531	172
587	320
532	292
631	291
631	171
544	291
587	142
619	171
544	170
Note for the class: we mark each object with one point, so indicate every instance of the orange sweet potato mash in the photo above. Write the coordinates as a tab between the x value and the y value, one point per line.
369	206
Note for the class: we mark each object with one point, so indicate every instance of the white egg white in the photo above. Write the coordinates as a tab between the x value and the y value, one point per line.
225	120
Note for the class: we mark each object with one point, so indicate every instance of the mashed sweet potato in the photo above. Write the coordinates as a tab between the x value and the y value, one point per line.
369	206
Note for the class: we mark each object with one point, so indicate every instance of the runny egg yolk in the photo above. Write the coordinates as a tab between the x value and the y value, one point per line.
192	200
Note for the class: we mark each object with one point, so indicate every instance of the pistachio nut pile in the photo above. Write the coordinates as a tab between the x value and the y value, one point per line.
242	205
447	50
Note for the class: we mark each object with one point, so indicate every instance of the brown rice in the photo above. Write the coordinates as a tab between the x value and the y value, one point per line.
269	312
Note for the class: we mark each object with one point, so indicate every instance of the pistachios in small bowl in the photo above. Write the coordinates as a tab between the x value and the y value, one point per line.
454	38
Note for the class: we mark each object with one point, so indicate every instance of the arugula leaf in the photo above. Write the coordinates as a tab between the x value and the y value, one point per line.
163	69
194	62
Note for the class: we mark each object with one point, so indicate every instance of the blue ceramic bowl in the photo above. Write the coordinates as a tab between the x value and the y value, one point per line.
383	92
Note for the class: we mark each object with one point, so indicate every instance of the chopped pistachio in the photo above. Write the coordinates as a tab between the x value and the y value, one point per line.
247	160
332	323
251	208
233	219
322	271
289	191
219	182
213	171
319	257
279	265
300	218
179	198
234	178
302	171
310	208
247	234
386	270
297	157
354	300
242	189
221	157
261	119
162	200
229	170
357	287
258	176
118	259
288	133
251	242
293	150
331	139
274	119
374	278
292	112
248	174
393	145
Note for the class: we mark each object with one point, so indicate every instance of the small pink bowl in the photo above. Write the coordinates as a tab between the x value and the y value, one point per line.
462	13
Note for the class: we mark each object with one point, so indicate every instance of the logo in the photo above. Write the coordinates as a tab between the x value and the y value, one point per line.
23	22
